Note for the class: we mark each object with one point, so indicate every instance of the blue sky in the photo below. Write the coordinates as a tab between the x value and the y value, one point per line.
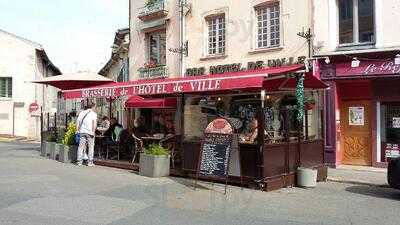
76	34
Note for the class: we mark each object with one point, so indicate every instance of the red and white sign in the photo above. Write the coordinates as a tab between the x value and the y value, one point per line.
219	126
33	107
368	68
392	150
208	83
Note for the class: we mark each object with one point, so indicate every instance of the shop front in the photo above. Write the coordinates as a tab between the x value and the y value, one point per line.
274	137
362	110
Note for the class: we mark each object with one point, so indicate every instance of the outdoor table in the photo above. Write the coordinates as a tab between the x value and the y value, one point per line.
151	139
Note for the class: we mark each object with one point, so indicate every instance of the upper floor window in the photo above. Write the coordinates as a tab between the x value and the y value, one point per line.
216	35
123	75
356	21
6	87
268	26
156	43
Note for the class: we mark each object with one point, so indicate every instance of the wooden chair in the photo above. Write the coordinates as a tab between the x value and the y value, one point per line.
138	147
169	142
116	145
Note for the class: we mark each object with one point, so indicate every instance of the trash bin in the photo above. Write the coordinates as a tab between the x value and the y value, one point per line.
306	177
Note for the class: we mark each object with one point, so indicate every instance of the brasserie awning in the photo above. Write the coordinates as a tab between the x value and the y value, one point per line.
219	83
235	81
289	82
75	80
136	101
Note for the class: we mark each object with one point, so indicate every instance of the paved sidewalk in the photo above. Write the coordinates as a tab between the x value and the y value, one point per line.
358	175
38	191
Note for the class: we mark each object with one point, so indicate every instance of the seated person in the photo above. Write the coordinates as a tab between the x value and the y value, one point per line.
253	133
140	129
111	131
169	127
104	125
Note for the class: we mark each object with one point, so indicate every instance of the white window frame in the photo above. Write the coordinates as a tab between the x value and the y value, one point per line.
9	83
220	46
157	36
268	26
123	75
356	36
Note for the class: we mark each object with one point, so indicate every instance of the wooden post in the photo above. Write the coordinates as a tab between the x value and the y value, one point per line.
48	121
66	120
55	125
41	125
110	109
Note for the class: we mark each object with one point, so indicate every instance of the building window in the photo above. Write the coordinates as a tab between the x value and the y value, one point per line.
123	75
216	35
268	26
356	21
5	87
156	43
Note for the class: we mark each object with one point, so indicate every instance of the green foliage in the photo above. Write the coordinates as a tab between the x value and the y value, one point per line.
69	137
300	97
60	135
150	3
49	136
156	149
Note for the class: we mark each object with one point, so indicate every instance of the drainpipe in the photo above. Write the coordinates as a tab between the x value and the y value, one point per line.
182	36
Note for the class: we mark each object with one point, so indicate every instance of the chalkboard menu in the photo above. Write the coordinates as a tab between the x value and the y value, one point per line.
215	154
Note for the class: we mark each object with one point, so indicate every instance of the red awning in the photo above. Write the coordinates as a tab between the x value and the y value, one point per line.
239	81
150	103
74	80
285	82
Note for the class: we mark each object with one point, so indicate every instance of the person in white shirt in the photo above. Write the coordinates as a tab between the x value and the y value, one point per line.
86	127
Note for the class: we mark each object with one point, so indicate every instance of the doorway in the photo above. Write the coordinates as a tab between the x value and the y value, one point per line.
356	139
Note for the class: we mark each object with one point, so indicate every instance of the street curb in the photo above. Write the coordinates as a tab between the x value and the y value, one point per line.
357	182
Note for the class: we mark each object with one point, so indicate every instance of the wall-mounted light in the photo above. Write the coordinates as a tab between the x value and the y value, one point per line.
262	98
355	62
397	59
268	97
219	99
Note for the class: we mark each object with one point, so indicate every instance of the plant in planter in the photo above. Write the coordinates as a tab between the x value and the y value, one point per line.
154	162
49	143
59	146
309	103
150	3
69	151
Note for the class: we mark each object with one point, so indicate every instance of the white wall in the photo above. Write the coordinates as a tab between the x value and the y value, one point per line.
240	31
387	25
20	61
137	48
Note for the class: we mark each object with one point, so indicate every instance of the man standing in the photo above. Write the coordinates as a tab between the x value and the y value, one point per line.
86	126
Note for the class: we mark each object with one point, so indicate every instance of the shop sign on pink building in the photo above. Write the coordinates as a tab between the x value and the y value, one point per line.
368	68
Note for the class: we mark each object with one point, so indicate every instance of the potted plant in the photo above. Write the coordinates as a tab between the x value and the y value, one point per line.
154	162
309	103
150	3
59	146
69	151
49	143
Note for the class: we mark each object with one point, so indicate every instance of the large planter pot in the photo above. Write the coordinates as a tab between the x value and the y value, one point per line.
68	154
153	165
306	177
393	173
54	154
50	147
43	146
